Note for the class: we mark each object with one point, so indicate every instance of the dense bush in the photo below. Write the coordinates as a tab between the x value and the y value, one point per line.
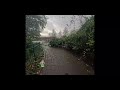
56	42
34	53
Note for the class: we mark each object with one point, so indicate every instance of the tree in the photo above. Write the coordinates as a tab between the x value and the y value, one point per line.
34	24
53	33
50	34
65	32
59	34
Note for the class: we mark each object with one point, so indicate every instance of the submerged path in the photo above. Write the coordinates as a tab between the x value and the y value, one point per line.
60	61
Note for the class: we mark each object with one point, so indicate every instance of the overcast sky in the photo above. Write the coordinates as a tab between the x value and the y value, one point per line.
58	22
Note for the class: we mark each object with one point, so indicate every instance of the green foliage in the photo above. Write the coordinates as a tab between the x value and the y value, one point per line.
34	51
82	41
34	23
33	56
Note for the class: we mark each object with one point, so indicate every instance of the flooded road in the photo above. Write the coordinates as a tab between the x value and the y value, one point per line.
60	61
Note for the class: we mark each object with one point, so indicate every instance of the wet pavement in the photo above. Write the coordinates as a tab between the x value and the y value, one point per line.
60	62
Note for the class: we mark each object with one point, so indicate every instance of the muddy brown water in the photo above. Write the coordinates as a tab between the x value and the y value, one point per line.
59	61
